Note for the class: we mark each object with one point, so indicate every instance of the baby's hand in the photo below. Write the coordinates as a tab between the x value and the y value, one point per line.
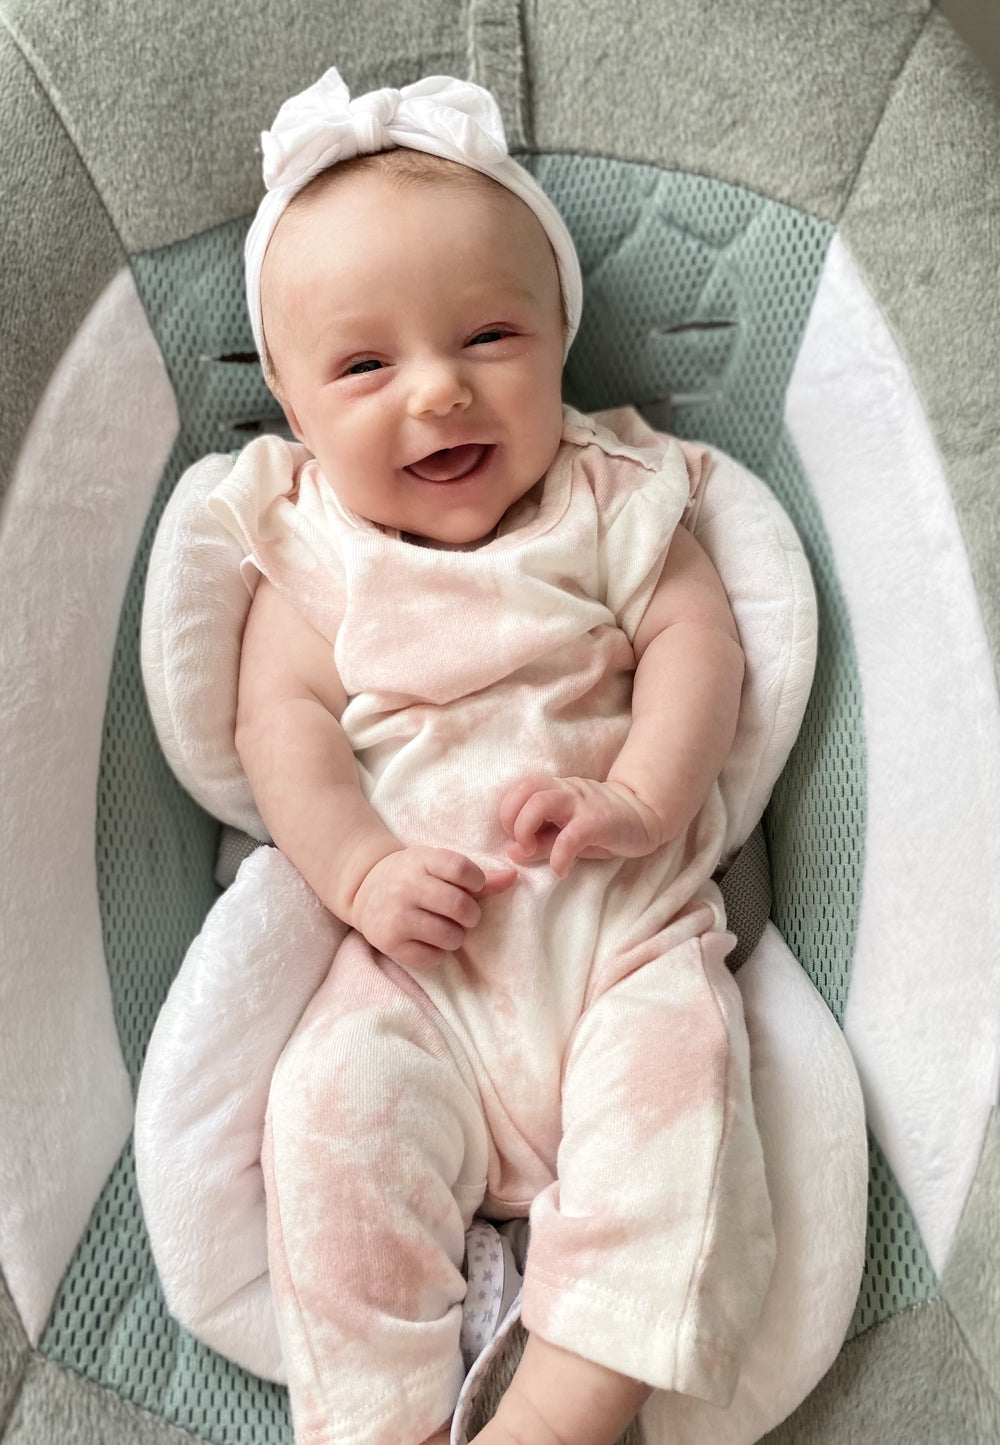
417	904
563	819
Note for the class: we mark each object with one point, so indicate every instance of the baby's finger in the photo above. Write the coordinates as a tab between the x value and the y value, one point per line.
516	797
564	852
439	933
573	842
542	813
456	869
498	880
450	901
460	872
413	954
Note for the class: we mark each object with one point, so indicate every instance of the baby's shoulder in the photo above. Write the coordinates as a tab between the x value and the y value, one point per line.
265	471
619	457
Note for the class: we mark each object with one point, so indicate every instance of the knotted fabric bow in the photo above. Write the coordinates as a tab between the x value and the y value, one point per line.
442	116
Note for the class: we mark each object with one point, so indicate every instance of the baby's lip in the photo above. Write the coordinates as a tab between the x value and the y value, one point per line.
449	464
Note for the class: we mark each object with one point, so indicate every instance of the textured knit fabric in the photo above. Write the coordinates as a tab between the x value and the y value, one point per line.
583	1056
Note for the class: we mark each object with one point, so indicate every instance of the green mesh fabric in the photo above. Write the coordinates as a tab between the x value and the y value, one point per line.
815	825
697	292
898	1273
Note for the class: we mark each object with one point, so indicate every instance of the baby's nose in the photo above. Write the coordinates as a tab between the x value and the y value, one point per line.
438	388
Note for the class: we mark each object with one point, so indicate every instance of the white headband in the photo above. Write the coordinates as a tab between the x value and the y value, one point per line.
450	118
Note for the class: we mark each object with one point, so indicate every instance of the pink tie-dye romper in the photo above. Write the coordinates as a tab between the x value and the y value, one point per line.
584	1056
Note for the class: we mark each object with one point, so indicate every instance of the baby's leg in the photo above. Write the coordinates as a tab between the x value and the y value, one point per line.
375	1161
652	1252
557	1397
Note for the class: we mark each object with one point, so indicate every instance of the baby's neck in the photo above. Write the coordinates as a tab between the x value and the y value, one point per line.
447	546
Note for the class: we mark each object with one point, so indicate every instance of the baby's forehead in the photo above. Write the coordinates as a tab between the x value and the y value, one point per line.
393	184
400	178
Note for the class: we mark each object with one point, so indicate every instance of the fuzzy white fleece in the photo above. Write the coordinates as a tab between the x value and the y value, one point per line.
69	529
923	1013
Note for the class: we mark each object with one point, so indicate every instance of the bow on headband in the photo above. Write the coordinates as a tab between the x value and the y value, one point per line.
450	118
323	125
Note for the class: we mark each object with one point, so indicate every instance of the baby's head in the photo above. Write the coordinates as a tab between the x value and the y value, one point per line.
413	312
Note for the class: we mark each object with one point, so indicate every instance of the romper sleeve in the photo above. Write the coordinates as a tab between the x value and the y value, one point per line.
278	506
643	485
255	499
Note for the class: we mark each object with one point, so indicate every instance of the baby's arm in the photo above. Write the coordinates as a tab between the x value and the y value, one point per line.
685	702
414	904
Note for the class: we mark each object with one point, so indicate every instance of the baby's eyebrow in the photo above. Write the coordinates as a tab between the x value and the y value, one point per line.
517	291
347	331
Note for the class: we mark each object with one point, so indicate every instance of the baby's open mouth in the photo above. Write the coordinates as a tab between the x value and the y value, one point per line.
450	464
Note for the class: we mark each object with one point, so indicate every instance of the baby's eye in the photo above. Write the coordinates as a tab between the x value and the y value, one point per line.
483	338
357	368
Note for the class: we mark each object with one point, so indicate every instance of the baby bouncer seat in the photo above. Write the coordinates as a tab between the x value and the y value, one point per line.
787	225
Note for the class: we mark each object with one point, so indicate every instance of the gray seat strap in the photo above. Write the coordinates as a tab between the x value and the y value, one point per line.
746	890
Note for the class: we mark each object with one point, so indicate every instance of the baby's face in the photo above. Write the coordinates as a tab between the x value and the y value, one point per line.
417	342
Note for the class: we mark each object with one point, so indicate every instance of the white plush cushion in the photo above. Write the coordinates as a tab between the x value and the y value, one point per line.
923	1012
265	949
197	603
193	617
759	557
72	516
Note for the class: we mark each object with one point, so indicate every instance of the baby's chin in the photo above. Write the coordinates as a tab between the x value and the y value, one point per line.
456	527
468	514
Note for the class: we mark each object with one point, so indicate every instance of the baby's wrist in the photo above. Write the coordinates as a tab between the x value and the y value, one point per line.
358	861
655	813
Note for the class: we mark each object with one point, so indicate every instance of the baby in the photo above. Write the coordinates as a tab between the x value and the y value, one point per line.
487	686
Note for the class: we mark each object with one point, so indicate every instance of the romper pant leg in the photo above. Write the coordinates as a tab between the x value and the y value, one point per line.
652	1252
375	1160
